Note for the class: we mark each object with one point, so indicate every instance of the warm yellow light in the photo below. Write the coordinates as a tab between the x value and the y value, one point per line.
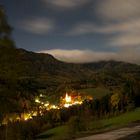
46	105
67	98
27	116
77	102
67	105
34	113
54	107
41	95
37	100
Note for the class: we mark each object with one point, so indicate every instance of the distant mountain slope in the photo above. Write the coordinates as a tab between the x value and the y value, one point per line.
19	63
117	66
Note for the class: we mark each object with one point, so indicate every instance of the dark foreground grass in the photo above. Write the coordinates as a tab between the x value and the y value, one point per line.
58	133
62	132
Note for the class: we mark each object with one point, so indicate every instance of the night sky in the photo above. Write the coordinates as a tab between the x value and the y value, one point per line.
77	30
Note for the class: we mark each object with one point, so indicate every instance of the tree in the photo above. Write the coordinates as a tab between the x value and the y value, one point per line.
5	30
105	104
115	99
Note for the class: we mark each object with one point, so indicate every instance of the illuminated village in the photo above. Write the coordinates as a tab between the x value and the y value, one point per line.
43	106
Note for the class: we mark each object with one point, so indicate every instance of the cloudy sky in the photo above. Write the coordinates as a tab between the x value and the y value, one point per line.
77	30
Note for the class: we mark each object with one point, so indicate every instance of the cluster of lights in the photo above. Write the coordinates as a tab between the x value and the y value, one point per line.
45	105
66	102
69	102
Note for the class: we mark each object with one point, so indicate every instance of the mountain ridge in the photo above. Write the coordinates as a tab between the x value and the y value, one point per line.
41	62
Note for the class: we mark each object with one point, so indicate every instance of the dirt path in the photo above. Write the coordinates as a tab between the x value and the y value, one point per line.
114	134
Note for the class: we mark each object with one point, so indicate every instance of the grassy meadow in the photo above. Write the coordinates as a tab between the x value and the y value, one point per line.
62	132
96	93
